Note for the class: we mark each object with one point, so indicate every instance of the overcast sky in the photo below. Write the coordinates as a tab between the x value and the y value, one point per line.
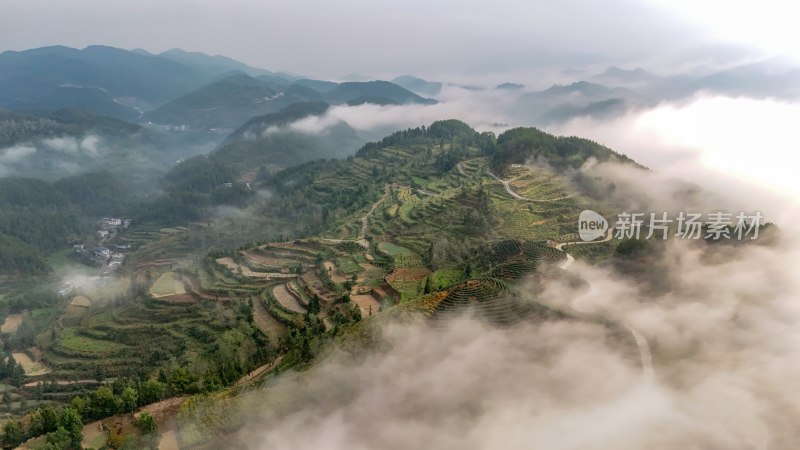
336	38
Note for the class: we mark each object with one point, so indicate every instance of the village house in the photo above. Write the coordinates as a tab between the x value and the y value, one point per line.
102	252
112	222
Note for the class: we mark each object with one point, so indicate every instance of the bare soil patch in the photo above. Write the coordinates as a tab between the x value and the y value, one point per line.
365	302
408	274
285	298
32	368
81	301
12	322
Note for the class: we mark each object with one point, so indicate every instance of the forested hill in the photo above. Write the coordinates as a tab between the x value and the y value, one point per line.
18	128
39	217
519	145
310	192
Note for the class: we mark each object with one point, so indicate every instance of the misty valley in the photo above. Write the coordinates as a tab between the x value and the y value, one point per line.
200	254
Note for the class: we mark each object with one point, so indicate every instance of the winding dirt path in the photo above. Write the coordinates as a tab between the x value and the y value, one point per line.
507	184
362	234
258	371
570	258
645	355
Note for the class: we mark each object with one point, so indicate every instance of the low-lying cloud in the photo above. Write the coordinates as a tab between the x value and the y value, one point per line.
723	335
13	155
725	355
741	149
88	145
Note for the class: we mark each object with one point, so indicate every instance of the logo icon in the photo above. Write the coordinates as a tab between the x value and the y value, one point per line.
591	225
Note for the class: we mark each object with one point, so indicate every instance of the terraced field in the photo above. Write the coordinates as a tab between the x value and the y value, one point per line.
167	285
287	299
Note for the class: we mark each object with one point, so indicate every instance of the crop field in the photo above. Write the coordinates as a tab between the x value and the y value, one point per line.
167	284
392	249
287	299
348	266
402	256
74	339
31	367
445	278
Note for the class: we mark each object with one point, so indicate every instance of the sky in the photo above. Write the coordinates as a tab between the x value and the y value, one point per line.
334	39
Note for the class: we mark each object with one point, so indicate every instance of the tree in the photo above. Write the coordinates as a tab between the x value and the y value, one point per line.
80	404
152	391
149	428
71	421
313	305
59	440
305	350
49	418
129	399
13	434
36	424
356	313
104	402
468	270
147	423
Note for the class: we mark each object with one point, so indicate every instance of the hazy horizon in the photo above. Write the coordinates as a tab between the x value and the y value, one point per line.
334	40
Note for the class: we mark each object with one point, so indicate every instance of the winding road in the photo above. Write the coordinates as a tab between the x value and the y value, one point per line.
507	184
645	355
362	234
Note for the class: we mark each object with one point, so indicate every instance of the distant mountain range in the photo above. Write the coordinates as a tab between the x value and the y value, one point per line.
175	87
192	90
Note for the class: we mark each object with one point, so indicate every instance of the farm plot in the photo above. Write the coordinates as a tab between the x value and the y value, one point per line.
246	271
266	323
366	303
167	285
71	339
334	273
408	281
32	368
11	323
286	299
402	256
81	301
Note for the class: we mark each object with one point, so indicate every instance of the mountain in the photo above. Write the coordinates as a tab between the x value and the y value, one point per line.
285	116
603	109
426	229
216	64
617	76
72	141
562	102
229	102
104	80
320	86
510	86
232	100
769	78
348	91
418	85
265	144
